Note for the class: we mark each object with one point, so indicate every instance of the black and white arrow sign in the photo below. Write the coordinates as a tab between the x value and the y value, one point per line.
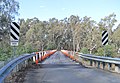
14	33
104	38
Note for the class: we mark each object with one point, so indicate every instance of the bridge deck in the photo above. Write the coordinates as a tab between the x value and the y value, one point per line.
60	69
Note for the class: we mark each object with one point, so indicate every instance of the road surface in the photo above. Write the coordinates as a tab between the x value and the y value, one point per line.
60	69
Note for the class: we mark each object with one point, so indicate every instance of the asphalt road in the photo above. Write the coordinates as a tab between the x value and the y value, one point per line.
60	69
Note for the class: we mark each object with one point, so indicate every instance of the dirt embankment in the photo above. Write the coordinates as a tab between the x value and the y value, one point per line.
19	76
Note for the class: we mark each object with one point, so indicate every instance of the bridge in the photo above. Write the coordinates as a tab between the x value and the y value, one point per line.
61	67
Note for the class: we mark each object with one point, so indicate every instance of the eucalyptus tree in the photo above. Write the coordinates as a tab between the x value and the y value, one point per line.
116	37
107	23
73	20
8	10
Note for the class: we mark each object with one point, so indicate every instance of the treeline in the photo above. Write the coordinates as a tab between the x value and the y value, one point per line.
73	33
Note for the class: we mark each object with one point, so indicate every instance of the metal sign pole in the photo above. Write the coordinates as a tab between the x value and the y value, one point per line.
14	36
104	51
14	51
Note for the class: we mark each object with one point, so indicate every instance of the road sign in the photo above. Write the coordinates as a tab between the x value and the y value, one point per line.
14	43
14	33
104	38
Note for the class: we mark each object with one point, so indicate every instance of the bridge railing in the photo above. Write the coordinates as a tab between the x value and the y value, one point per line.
22	61
15	63
108	63
70	54
42	55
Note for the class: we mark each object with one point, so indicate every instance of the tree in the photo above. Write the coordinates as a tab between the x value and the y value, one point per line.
116	37
73	33
107	23
8	10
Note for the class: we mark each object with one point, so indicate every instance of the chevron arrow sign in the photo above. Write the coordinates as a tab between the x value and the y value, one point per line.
104	38
14	33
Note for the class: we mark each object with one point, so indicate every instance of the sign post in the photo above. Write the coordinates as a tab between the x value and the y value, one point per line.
104	40
14	36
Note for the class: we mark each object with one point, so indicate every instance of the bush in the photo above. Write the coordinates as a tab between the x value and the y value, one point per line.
108	49
84	50
50	46
100	52
5	53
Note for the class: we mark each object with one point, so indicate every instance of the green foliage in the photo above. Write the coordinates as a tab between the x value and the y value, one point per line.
5	53
100	52
109	51
8	11
73	33
28	48
84	50
116	37
50	46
